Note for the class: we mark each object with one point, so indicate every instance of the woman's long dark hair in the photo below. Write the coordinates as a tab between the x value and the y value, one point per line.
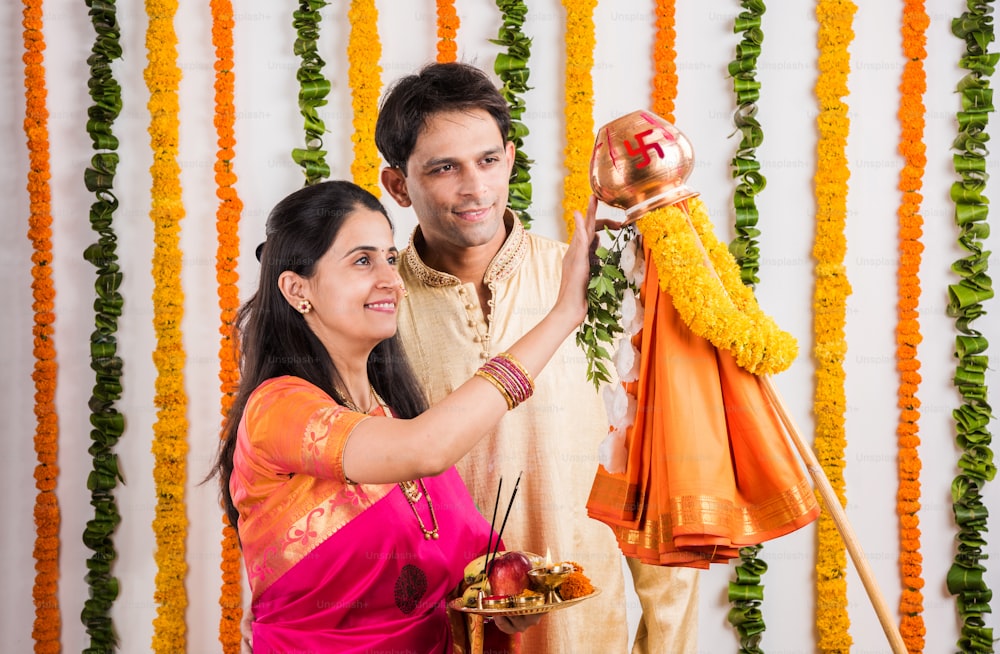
274	338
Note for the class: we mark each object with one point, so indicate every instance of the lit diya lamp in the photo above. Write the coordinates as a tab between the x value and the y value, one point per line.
549	576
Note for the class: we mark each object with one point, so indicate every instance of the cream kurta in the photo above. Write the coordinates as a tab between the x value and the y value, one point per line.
552	438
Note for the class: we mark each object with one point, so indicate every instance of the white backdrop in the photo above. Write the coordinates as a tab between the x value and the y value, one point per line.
268	126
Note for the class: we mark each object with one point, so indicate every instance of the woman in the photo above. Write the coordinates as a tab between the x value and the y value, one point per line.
353	523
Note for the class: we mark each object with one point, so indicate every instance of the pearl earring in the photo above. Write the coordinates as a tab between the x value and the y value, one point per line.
304	307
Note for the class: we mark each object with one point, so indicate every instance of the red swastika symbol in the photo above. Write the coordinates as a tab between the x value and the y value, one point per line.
643	148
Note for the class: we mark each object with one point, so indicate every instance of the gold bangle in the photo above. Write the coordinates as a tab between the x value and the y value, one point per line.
500	387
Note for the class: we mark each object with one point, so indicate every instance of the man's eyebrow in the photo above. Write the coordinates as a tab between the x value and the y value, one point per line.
439	161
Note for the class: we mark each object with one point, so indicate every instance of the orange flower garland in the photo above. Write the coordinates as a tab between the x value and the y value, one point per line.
170	446
835	33
227	218
911	146
665	61
579	98
365	78
447	28
45	593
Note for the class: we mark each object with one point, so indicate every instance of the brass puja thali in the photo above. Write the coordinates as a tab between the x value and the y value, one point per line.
515	609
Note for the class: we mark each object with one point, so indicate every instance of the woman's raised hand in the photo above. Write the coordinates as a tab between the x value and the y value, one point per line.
576	265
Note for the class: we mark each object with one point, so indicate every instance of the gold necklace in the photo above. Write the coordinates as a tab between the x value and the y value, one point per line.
414	490
343	399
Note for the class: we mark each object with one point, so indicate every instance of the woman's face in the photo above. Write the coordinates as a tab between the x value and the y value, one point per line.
356	286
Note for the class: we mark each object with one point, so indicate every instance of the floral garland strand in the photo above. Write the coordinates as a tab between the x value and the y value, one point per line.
512	68
108	424
966	578
47	626
447	29
365	78
711	299
579	109
170	447
746	168
746	593
313	89
911	146
227	220
835	33
665	61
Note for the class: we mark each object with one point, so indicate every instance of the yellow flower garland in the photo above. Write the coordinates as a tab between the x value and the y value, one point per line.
227	256
365	78
911	146
579	110
447	28
170	446
835	34
665	61
712	300
47	627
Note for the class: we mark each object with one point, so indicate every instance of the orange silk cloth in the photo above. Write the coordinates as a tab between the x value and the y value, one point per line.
709	467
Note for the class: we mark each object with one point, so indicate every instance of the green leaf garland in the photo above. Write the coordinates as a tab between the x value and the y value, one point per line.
747	593
512	68
966	578
746	168
108	424
313	89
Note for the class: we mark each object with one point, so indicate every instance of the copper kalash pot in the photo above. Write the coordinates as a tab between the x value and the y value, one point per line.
640	162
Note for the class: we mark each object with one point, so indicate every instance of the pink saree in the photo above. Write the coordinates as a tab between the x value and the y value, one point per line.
335	567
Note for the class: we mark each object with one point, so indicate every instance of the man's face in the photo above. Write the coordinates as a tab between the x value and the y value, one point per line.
457	180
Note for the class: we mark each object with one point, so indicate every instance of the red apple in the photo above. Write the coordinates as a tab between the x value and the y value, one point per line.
509	573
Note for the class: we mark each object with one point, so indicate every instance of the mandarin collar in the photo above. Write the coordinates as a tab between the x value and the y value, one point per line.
507	260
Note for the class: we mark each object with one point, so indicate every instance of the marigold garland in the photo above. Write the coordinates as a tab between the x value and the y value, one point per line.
665	61
47	626
835	33
365	78
227	217
911	146
447	28
313	89
108	424
710	298
579	109
512	68
967	576
170	446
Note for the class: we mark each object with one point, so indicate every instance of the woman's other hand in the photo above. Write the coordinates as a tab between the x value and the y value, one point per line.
513	624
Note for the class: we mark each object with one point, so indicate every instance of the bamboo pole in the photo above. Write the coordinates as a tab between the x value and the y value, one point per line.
840	519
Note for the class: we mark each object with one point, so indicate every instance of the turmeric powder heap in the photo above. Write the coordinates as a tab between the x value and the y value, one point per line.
576	584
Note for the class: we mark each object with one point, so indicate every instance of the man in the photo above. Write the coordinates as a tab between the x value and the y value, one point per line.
476	281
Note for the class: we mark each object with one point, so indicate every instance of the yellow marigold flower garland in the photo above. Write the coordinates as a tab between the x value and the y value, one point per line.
227	218
170	446
665	61
912	148
835	33
709	296
47	627
447	28
579	110
365	78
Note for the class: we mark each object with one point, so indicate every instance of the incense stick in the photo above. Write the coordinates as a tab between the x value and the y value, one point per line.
493	520
504	523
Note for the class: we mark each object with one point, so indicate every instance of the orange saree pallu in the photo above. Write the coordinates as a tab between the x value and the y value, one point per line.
709	468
